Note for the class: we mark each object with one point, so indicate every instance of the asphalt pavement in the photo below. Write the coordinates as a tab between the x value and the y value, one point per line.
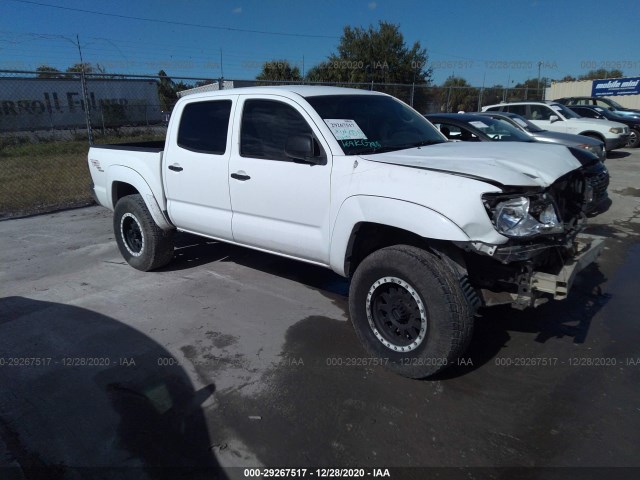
230	358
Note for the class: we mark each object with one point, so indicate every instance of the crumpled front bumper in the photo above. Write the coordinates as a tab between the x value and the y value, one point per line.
536	287
589	248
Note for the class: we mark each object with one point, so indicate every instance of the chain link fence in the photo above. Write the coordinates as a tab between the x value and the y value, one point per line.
49	119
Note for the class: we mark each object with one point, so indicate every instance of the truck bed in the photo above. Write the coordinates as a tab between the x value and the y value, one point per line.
153	146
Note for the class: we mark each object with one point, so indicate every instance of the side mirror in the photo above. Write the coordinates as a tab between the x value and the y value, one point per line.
554	118
301	148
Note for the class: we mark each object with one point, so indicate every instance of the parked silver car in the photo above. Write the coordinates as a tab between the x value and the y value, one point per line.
570	140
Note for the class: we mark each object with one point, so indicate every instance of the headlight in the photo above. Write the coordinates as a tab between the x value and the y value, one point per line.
616	130
524	216
595	149
588	193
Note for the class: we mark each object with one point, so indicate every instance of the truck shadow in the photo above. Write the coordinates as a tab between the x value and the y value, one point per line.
193	251
92	397
570	318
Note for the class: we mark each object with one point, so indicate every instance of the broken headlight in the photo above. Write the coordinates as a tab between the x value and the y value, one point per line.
523	216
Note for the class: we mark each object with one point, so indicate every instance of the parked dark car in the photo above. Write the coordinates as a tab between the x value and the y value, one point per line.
590	144
469	127
591	111
605	103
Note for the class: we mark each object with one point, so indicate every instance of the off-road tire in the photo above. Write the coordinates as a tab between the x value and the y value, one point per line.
143	244
406	281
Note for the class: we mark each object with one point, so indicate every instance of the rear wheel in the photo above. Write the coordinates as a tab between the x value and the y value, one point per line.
408	309
143	244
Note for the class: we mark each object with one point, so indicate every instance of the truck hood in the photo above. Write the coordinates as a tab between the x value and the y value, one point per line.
500	164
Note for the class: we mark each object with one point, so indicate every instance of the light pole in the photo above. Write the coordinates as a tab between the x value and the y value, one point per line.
539	66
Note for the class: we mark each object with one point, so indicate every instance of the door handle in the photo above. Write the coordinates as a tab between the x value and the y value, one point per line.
175	168
240	176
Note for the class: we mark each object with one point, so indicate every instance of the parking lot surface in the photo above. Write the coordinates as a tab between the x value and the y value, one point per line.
235	358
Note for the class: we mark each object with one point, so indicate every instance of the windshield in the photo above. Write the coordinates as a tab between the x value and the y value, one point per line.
500	130
524	123
373	123
566	112
614	104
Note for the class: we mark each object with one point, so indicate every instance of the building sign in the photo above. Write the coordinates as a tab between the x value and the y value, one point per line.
615	86
28	104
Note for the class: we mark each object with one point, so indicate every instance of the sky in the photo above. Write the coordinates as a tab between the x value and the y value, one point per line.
487	42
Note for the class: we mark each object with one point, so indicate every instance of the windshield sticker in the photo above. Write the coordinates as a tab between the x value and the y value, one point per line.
344	129
557	108
479	124
360	143
520	122
598	109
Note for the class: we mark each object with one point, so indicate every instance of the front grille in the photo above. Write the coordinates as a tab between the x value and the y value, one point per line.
569	192
599	183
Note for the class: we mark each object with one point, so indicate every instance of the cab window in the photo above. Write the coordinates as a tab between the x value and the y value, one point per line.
204	125
266	126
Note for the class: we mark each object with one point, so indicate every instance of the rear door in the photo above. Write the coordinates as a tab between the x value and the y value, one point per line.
279	204
541	116
196	167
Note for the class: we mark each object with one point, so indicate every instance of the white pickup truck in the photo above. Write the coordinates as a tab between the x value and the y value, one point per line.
358	182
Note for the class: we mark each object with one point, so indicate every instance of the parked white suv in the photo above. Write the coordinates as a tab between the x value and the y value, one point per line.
558	118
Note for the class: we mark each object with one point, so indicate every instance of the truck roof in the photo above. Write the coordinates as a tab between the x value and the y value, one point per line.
287	90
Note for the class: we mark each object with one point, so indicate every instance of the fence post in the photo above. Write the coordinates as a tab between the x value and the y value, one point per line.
87	105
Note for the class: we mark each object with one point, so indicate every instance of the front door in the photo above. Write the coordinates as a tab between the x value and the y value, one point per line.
279	204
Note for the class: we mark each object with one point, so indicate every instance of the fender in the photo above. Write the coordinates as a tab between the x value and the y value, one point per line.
120	173
415	218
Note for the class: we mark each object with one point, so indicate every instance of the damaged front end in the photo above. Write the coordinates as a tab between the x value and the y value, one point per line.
545	250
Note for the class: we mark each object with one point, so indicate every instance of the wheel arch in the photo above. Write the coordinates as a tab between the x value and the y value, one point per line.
365	224
593	134
126	181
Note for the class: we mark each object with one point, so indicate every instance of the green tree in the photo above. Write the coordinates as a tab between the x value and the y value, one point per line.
492	95
456	95
279	70
530	89
77	68
377	56
47	71
601	73
167	91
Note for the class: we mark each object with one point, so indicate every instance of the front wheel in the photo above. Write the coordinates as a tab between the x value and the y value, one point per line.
634	138
408	309
143	244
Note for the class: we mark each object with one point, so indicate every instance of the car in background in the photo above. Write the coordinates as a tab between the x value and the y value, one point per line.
602	102
558	118
599	113
470	127
541	135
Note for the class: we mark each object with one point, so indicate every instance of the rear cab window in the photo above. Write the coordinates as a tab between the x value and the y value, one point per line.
204	126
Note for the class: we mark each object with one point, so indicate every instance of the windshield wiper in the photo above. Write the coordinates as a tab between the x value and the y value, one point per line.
392	148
